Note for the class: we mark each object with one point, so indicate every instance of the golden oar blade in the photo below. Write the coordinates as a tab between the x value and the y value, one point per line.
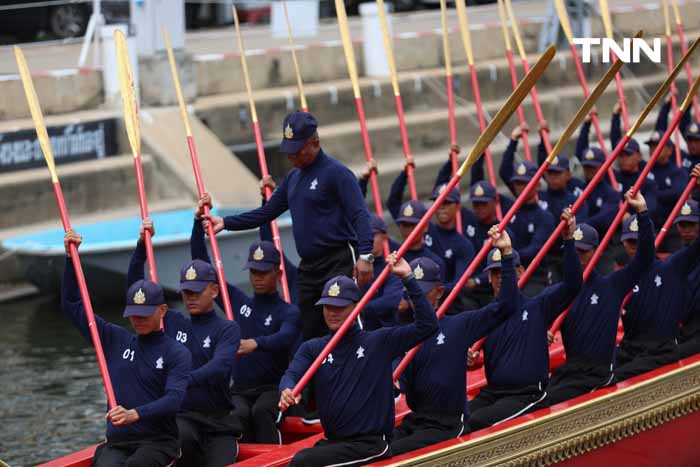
35	110
510	106
126	84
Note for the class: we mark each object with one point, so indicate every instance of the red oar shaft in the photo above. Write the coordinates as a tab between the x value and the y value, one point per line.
273	224
453	136
623	102
594	116
521	115
478	259
406	147
143	205
674	213
688	71
218	264
482	124
538	109
85	297
674	101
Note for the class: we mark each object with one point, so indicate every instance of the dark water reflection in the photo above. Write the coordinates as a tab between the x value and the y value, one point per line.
52	400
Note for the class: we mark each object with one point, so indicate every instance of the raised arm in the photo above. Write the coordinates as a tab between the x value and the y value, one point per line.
264	214
395	198
582	142
178	365
615	126
505	170
286	336
643	258
662	117
222	362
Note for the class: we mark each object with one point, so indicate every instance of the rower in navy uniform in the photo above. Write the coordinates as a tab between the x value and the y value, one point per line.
516	354
330	218
354	389
656	308
558	172
208	430
687	224
691	133
269	330
149	373
590	328
435	382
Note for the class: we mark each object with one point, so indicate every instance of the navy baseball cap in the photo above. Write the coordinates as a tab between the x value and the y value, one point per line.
593	157
411	212
524	172
630	229
585	237
482	192
339	291
693	131
427	273
560	163
493	261
688	213
262	256
196	275
297	128
452	197
377	224
631	147
143	298
654	139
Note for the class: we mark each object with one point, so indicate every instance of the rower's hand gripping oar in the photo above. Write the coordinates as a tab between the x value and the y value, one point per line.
218	264
484	140
623	207
262	161
133	131
45	144
529	188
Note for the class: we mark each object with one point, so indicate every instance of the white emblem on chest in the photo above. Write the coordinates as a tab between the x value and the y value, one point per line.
428	240
470	230
314	184
530	228
328	359
577	191
268	320
668	181
657	281
543	204
524	315
599	202
159	363
448	253
440	339
360	352
207	342
635	289
594	299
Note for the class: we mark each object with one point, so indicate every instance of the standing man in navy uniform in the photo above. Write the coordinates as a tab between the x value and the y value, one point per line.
208	430
354	387
329	216
435	381
149	373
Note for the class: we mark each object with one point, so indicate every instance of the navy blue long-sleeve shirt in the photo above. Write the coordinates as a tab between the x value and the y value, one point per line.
434	381
649	188
149	373
423	252
289	268
506	169
555	201
590	328
531	227
689	160
658	302
266	318
455	250
213	342
516	352
670	180
381	311
575	185
326	205
354	391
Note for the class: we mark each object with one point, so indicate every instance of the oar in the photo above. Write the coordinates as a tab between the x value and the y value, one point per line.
45	144
451	108
529	188
397	98
623	207
481	143
513	74
674	212
661	91
669	62
261	151
684	47
564	21
467	45
352	72
544	133
297	70
133	131
607	25
219	265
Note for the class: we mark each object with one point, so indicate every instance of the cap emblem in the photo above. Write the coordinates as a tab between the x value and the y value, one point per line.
139	297
479	191
634	226
685	210
496	255
578	234
418	272
288	132
590	155
442	188
408	210
258	254
334	290
555	161
191	274
521	169
693	128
